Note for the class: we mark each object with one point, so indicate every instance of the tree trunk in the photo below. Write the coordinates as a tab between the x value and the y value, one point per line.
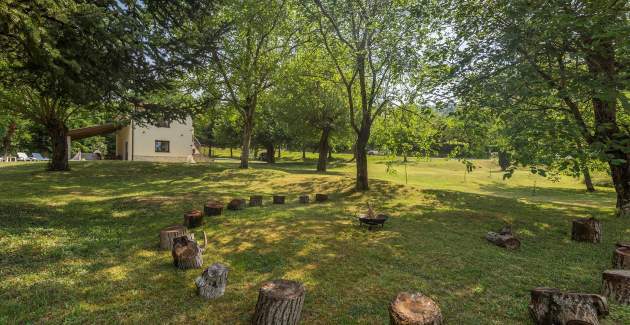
621	258
187	253
621	180
323	149
279	303
552	306
193	219
504	160
247	138
58	132
361	154
169	233
587	230
270	155
279	153
8	137
303	153
587	179
212	282
330	154
231	153
209	150
616	285
414	309
255	201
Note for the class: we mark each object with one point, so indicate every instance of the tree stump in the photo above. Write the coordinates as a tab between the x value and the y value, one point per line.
213	208
621	258
616	285
304	199
504	238
255	201
169	233
587	230
278	199
321	197
279	303
237	204
414	309
193	219
552	306
211	284
187	253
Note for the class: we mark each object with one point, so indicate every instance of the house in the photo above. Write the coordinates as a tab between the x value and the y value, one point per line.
165	141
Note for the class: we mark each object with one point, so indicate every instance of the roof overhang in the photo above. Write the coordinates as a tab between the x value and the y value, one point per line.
91	131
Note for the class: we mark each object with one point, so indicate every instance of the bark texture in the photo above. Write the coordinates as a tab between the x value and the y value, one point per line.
255	201
503	240
504	160
323	148
187	253
361	155
621	258
587	230
169	233
304	199
616	285
193	219
279	303
213	208
58	133
278	199
321	197
212	282
549	306
248	129
237	204
414	309
588	181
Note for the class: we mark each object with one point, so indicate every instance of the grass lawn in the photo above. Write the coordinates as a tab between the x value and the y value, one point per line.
81	246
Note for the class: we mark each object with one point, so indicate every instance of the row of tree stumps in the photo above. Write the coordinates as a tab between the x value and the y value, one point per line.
553	306
279	301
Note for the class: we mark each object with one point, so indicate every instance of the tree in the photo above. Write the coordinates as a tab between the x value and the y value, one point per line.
560	57
371	44
249	55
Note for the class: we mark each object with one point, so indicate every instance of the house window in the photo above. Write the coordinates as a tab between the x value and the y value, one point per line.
162	146
163	124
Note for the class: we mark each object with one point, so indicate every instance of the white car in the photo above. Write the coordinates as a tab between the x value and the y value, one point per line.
372	152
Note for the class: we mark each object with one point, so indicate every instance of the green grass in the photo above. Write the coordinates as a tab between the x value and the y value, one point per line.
81	246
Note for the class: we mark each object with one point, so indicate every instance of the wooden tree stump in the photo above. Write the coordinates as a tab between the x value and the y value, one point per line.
193	219
211	284
304	199
414	309
279	303
621	258
187	253
255	201
169	233
504	238
321	197
213	208
616	285
237	204
587	230
278	199
552	306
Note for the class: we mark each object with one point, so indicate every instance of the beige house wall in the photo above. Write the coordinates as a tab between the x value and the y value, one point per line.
123	135
179	135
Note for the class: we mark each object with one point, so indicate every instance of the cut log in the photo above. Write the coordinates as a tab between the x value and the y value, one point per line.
552	306
507	240
193	219
211	284
587	230
255	201
622	244
187	253
621	258
279	303
321	197
169	233
616	285
304	199
278	199
237	204
213	208
414	309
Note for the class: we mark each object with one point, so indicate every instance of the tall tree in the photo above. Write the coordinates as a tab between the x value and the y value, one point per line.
371	44
566	57
260	37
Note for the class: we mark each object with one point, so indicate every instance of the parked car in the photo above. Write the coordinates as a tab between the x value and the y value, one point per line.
23	157
372	152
